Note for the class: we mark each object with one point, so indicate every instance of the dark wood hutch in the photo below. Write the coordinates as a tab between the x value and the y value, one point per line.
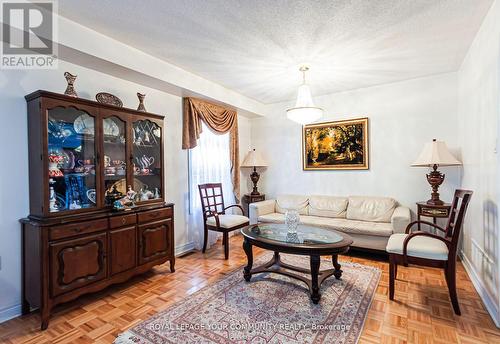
73	241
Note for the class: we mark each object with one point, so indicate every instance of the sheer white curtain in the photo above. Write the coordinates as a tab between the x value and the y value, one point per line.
208	163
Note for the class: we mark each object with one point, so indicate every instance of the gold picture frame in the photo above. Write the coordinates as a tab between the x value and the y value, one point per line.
338	145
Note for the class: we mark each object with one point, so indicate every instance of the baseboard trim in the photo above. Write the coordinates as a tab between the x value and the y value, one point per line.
10	313
183	249
489	302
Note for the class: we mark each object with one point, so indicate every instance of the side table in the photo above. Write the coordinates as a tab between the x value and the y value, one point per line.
249	198
434	211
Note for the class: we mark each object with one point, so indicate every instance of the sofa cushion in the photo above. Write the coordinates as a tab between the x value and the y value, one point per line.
344	225
369	241
376	209
419	246
272	218
297	202
328	206
350	226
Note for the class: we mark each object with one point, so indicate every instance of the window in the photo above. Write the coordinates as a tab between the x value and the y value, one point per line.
208	163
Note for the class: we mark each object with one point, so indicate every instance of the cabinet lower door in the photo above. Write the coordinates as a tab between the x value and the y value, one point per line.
122	249
154	240
77	262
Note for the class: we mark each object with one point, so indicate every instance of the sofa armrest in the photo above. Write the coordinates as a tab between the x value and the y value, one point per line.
400	219
260	208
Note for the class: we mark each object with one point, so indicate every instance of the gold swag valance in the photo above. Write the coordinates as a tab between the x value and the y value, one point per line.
221	121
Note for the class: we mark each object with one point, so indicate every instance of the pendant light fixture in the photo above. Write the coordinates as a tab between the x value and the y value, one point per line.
304	111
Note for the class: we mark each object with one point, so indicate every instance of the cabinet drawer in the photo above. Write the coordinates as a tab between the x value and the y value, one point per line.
435	212
153	215
122	221
257	199
72	229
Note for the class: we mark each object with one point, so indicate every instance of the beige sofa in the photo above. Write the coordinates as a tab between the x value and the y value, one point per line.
370	221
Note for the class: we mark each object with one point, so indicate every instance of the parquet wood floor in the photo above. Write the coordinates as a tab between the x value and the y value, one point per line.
421	313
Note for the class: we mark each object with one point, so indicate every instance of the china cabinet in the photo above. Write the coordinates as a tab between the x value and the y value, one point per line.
83	155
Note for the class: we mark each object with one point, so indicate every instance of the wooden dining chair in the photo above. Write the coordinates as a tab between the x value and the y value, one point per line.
215	217
427	249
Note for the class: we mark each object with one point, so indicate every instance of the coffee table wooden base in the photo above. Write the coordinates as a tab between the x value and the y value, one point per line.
275	265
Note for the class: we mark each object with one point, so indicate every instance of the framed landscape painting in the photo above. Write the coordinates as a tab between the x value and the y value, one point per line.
340	145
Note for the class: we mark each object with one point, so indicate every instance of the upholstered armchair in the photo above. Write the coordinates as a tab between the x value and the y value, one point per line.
215	217
427	249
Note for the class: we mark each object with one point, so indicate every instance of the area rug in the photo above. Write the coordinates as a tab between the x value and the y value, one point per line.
271	308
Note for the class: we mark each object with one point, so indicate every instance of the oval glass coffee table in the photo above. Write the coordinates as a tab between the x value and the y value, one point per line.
309	240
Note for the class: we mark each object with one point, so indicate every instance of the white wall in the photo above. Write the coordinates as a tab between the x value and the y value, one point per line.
478	112
14	193
402	117
244	131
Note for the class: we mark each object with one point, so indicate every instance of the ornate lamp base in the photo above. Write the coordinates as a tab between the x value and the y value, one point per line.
255	178
435	202
435	179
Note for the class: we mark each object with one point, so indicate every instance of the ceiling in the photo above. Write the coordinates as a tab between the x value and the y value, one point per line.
254	47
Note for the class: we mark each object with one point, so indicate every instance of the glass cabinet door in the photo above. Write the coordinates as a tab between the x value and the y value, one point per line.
115	161
146	156
71	159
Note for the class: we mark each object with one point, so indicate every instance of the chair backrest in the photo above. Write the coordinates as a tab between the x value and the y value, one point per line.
212	198
455	223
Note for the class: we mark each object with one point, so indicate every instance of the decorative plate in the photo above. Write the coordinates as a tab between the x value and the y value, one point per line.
84	124
91	195
60	202
110	128
68	161
108	98
121	185
157	132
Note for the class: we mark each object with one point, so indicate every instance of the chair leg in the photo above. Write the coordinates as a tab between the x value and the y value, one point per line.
391	276
205	239
452	287
395	270
226	245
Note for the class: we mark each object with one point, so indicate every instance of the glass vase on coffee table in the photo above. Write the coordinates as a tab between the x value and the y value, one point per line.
292	220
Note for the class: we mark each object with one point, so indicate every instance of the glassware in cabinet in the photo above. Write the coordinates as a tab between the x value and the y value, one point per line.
114	159
71	137
146	160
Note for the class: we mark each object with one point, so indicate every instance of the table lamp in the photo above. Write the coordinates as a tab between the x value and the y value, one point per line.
254	159
435	154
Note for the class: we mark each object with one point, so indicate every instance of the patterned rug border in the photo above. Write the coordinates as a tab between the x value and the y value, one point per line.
374	282
122	338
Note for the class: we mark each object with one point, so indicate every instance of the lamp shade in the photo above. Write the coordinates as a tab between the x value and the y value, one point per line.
304	111
304	115
253	159
436	153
